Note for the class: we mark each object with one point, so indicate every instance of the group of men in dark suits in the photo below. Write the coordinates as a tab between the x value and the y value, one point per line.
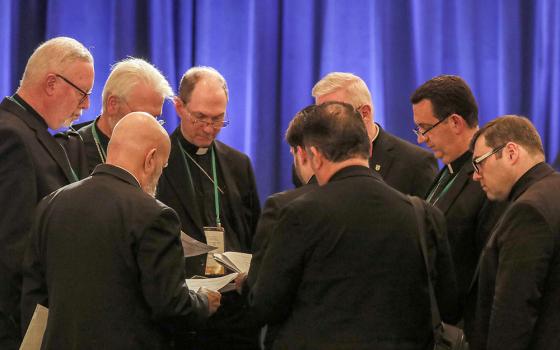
336	262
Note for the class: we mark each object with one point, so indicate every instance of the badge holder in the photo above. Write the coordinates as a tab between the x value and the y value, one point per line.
214	237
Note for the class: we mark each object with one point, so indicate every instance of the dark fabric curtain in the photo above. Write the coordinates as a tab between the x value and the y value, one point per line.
273	51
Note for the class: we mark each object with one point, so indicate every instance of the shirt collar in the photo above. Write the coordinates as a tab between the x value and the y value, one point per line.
30	109
458	163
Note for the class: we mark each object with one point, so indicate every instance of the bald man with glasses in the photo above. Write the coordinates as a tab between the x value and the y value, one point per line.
446	118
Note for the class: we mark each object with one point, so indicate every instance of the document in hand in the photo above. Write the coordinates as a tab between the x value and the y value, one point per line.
192	247
238	262
215	284
34	335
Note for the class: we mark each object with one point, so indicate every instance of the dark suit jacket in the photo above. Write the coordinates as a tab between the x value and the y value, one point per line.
32	165
402	165
240	189
519	281
470	219
268	222
344	269
115	278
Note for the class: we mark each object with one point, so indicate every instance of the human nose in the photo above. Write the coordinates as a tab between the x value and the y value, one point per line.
421	138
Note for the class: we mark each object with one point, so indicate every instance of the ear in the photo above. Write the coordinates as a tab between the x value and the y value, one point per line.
302	154
458	124
50	84
315	158
150	161
179	105
366	113
112	104
511	152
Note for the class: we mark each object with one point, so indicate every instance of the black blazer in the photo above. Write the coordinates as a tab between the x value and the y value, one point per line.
113	279
470	218
344	270
32	165
519	281
240	188
402	165
268	222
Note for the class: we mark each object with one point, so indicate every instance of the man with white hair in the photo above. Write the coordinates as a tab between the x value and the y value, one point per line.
135	294
54	90
402	165
133	85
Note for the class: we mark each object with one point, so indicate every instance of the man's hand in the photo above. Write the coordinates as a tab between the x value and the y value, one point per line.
241	277
213	299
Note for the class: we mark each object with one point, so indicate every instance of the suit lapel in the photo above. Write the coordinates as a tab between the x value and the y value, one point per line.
57	153
47	140
179	180
382	157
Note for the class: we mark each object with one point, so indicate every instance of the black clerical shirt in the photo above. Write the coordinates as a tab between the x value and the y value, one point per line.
204	190
446	177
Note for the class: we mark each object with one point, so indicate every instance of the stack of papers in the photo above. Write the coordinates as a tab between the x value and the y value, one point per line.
216	284
238	262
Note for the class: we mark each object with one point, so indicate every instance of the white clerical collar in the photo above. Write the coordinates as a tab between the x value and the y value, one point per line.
201	151
450	168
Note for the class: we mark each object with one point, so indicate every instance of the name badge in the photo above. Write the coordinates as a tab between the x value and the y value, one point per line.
215	238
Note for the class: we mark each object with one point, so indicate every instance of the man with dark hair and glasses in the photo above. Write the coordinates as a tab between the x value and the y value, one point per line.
53	92
212	187
446	118
519	276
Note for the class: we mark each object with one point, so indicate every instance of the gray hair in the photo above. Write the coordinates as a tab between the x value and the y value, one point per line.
353	85
128	73
54	55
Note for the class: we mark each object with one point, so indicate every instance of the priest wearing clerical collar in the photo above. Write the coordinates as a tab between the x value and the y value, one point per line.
209	184
446	118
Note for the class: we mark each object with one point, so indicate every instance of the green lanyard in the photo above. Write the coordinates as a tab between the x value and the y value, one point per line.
214	175
445	189
74	176
100	150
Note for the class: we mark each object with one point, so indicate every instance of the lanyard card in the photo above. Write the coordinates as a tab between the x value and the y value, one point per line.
215	238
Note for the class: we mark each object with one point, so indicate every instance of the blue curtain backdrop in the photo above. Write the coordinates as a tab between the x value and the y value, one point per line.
273	51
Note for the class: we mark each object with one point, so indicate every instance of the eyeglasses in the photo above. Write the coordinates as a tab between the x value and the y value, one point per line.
84	93
417	129
215	123
478	160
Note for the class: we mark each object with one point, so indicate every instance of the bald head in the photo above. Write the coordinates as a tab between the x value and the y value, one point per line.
141	146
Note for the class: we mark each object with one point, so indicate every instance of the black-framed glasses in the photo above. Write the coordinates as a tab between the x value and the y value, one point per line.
84	93
417	130
478	160
215	123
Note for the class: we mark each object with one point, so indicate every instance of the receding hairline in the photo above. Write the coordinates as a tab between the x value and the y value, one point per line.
195	75
54	55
